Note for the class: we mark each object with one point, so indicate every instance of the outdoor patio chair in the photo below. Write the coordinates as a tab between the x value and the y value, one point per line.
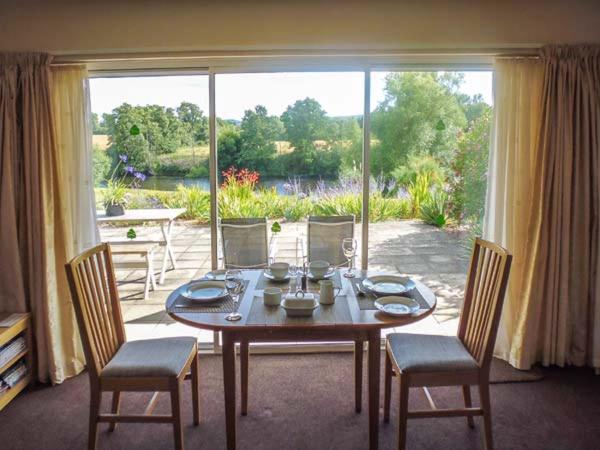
462	360
324	238
245	243
116	366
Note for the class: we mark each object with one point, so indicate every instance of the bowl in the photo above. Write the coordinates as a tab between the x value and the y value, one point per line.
300	307
318	268
279	270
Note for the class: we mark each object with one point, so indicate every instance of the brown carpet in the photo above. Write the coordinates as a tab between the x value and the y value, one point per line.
306	402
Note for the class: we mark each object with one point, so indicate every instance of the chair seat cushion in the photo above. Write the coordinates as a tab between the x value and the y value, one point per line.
163	357
425	353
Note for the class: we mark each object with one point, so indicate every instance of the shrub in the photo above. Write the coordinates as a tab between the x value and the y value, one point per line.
419	164
419	192
101	165
434	209
193	199
200	171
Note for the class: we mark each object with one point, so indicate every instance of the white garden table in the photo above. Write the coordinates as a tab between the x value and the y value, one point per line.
164	217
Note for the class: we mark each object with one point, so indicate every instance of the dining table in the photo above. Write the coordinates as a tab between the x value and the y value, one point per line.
353	317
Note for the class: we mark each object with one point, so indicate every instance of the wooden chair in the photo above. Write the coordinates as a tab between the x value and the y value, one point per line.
115	365
462	360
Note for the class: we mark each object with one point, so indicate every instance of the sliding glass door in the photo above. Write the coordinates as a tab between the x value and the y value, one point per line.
289	147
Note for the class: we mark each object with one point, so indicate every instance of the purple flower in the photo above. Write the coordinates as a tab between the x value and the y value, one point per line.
123	158
140	176
129	169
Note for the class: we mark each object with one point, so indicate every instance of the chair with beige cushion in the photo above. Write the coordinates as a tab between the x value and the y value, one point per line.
116	366
462	360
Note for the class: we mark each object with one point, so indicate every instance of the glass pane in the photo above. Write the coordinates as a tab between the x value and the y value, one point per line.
429	155
290	147
150	143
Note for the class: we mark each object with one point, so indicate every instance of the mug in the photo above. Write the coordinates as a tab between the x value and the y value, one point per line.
272	296
279	270
318	269
327	292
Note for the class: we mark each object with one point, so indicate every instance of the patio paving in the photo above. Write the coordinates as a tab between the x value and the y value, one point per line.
438	258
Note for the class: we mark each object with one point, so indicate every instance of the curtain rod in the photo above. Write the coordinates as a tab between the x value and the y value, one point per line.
66	59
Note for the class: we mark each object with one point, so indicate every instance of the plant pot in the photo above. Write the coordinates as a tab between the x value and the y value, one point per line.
115	210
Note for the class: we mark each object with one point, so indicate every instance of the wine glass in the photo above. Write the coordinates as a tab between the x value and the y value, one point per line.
234	283
349	247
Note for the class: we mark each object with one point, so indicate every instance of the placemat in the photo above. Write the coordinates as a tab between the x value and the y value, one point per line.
184	305
264	282
275	315
367	301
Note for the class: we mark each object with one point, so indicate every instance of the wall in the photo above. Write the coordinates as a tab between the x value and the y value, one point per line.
116	26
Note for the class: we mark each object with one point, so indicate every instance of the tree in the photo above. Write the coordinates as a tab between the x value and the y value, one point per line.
197	124
305	122
259	131
469	183
97	126
228	147
160	131
420	115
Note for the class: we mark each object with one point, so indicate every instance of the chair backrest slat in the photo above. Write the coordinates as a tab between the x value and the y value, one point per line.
484	297
245	243
325	236
95	298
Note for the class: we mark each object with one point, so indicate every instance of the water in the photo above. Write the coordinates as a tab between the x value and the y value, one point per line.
171	183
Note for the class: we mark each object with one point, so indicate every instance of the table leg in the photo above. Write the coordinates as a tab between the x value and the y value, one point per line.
229	387
358	375
244	375
168	250
374	374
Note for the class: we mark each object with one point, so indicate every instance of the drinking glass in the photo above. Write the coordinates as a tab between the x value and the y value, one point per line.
234	283
349	247
293	278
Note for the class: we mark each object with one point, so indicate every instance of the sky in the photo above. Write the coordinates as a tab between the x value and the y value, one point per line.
340	94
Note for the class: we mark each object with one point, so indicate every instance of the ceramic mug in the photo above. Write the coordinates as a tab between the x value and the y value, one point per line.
318	268
272	296
327	292
279	270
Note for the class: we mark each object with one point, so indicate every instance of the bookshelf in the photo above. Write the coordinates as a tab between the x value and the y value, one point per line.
19	325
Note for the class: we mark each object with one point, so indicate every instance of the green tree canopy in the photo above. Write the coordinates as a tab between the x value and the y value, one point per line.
305	122
195	120
419	115
259	131
228	146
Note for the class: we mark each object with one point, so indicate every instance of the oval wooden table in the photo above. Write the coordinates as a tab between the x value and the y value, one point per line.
342	322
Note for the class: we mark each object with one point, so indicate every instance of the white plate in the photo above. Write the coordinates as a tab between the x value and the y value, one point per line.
329	274
218	275
204	291
397	306
270	276
388	284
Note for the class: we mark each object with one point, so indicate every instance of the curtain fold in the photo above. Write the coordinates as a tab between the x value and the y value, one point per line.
36	238
555	319
518	85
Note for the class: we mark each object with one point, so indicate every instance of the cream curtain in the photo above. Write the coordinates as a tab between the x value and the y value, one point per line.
35	200
552	315
72	113
518	87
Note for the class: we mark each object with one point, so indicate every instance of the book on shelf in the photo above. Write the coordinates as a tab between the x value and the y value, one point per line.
11	319
14	374
11	349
